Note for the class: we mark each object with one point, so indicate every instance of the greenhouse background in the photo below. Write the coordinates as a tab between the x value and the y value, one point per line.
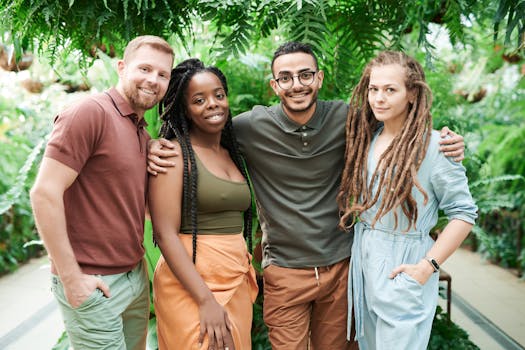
55	52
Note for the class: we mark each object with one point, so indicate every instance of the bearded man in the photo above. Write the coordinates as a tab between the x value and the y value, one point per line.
89	203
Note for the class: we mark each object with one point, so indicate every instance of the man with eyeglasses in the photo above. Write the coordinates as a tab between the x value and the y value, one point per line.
295	156
294	151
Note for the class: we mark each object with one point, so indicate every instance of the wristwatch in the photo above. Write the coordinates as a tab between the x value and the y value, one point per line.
433	263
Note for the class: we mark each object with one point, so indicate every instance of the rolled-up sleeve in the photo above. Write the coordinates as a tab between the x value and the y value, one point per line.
450	184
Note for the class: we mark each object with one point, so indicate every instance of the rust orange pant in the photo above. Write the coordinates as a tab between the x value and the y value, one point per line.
225	266
307	308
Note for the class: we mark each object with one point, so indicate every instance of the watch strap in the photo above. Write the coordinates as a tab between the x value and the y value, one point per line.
432	263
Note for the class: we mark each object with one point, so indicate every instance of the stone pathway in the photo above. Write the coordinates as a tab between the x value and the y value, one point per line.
487	301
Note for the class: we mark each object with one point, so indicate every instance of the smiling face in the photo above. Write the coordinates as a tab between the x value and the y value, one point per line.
207	103
298	101
144	78
388	96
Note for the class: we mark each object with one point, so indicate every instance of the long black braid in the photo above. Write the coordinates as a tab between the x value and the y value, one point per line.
176	125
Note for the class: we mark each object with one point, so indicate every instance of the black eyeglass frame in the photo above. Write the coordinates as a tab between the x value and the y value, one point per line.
292	80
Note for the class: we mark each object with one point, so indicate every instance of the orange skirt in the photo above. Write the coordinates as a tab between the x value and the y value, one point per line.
225	266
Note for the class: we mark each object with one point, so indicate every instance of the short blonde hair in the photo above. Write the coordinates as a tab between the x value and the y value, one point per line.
155	42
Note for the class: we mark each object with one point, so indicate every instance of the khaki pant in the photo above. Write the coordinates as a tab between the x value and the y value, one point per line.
116	323
307	308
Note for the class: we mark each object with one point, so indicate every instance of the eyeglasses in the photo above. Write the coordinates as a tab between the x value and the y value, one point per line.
285	81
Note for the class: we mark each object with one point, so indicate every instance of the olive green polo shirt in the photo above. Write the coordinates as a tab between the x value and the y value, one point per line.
296	173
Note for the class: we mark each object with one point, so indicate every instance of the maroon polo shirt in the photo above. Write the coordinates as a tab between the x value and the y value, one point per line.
102	139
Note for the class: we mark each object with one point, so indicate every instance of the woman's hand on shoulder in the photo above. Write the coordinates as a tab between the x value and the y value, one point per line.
215	323
159	152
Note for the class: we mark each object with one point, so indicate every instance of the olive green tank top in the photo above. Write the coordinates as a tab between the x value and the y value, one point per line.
220	204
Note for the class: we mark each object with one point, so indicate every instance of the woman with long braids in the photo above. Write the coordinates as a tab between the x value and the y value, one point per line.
394	182
204	283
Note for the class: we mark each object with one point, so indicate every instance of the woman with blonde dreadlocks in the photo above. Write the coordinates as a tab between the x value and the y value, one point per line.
204	283
394	182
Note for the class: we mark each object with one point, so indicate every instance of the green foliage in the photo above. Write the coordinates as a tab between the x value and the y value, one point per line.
20	150
502	157
357	30
500	247
446	335
500	190
480	95
84	25
16	222
62	343
248	78
240	36
259	330
514	12
152	255
344	33
152	340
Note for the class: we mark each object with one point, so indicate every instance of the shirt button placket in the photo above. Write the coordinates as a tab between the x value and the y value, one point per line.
305	139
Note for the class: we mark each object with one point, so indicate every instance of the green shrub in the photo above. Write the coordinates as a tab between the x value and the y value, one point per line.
446	335
19	150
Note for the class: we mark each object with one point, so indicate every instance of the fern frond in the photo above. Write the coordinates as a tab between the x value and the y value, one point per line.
10	197
494	180
514	11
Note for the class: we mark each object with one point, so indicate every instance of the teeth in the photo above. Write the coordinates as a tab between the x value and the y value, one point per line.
214	117
146	91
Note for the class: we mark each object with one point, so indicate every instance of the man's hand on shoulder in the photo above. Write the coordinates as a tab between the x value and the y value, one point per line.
452	144
158	149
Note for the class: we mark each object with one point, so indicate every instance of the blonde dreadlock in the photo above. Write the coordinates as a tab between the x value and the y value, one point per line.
397	168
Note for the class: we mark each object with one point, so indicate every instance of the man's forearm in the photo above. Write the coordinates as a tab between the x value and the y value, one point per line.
51	224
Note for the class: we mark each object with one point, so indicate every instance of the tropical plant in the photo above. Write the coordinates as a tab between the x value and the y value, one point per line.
20	150
345	33
239	36
446	335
